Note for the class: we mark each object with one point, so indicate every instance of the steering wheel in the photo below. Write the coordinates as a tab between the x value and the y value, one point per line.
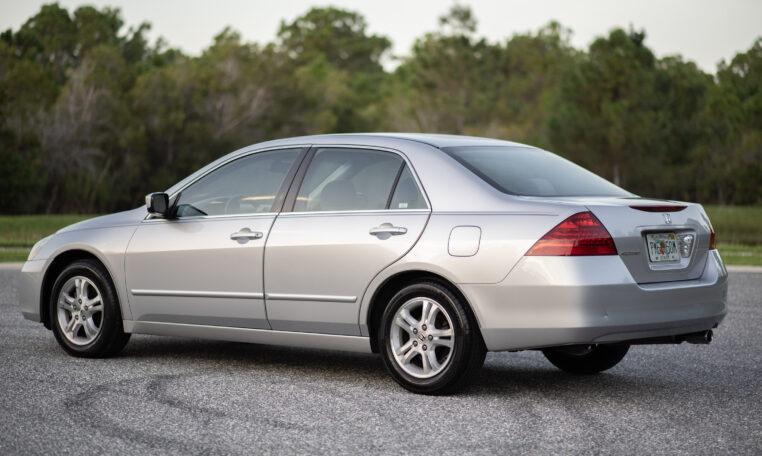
233	204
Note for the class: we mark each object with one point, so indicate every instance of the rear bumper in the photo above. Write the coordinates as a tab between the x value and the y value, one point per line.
551	301
30	285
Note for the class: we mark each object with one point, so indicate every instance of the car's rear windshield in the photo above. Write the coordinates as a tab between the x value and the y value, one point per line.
528	171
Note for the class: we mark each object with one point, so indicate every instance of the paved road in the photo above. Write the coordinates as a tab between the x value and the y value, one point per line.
177	396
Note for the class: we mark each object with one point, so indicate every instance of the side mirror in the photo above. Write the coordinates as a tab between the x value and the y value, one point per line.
158	204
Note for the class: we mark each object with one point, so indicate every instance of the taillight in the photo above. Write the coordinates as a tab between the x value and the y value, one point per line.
581	234
712	245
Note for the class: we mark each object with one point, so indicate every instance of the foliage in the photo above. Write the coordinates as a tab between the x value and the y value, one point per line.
93	116
25	230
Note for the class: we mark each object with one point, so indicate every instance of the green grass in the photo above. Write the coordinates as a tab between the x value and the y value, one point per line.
14	256
741	255
25	230
739	233
737	225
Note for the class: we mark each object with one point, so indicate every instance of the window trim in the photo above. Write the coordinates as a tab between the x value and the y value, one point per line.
394	185
280	196
296	185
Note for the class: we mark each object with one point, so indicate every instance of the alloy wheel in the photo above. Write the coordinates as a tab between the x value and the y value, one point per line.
80	310
422	337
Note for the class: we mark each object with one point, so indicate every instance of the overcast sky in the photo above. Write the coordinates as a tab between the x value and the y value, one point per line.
701	30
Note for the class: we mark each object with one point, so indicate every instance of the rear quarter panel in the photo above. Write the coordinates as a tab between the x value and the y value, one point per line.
505	238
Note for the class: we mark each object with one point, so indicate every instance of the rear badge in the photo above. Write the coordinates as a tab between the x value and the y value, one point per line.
667	219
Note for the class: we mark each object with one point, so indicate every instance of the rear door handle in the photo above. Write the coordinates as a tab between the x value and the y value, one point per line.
388	228
245	234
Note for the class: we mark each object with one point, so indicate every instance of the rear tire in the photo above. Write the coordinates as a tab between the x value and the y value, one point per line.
429	341
84	311
586	359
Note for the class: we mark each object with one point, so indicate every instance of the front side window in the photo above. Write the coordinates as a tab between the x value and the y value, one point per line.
348	179
247	185
528	171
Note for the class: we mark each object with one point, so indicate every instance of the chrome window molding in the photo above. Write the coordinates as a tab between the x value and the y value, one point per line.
357	212
197	218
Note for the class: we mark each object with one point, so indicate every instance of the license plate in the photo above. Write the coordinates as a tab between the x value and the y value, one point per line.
662	247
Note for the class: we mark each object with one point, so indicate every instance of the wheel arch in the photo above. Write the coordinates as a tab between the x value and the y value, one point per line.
52	272
396	282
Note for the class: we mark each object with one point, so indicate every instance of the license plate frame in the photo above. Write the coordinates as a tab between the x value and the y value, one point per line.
662	247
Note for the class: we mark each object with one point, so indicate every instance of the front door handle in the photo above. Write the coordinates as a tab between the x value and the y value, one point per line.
388	229
244	235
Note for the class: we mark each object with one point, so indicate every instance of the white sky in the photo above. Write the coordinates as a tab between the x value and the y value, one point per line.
704	31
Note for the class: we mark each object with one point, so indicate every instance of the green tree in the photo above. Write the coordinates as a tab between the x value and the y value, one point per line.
608	108
730	159
339	36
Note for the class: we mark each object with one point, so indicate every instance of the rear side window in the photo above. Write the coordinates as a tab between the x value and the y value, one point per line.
340	179
528	171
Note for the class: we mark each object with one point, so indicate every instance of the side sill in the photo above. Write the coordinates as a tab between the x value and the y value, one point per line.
255	336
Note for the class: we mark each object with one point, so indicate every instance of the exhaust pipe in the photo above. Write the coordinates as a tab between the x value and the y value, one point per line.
702	337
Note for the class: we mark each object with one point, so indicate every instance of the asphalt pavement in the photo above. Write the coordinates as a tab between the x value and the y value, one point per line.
182	396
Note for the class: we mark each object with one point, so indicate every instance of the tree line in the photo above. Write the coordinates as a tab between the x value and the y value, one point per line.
93	116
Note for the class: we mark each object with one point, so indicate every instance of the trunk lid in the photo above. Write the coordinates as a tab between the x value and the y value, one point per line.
647	232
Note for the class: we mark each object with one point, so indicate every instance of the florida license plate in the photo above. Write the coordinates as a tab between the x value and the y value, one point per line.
662	247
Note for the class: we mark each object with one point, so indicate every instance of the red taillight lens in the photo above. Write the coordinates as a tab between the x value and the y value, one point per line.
581	234
712	245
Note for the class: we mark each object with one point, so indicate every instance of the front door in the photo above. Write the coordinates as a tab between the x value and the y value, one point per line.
356	212
205	265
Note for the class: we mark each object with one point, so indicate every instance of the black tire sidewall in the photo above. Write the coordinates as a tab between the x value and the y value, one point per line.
111	320
601	358
463	329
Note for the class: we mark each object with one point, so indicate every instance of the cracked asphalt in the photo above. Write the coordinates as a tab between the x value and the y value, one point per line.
182	396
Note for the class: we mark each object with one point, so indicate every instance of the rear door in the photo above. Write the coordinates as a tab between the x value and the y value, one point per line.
350	213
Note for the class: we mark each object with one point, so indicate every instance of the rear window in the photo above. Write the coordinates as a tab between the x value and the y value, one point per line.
528	171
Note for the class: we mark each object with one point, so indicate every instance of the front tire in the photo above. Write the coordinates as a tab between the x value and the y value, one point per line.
84	311
586	359
429	341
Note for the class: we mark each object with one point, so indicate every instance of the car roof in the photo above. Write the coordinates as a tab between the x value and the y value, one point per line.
431	139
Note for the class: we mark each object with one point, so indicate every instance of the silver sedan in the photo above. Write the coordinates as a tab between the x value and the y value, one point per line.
427	249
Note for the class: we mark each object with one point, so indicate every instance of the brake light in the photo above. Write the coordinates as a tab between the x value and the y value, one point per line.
581	234
659	208
712	245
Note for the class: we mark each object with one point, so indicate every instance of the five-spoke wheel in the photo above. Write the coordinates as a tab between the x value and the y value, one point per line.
84	311
422	337
80	310
429	339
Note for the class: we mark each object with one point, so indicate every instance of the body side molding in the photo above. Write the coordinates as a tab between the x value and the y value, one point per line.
197	294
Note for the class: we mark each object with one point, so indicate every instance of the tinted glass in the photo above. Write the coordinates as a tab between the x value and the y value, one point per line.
348	179
244	186
532	172
407	195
